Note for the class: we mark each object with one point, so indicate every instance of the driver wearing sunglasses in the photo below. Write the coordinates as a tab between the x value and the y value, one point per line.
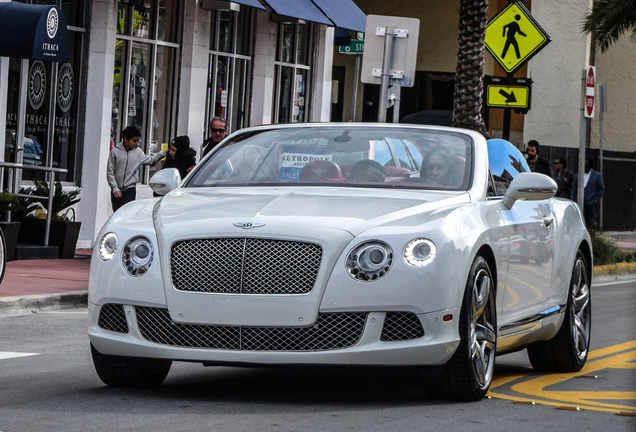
218	131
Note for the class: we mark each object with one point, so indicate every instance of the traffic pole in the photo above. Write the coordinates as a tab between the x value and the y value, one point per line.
387	65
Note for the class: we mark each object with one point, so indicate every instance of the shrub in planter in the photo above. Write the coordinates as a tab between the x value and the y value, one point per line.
9	229
64	230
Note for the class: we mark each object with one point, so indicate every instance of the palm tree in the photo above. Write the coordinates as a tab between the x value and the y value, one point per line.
609	19
470	65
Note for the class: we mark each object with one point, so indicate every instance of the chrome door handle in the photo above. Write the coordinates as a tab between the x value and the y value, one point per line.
548	220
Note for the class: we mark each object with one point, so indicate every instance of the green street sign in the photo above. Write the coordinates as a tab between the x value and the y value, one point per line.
356	47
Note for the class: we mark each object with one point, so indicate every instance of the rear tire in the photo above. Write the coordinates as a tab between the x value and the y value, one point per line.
468	374
118	371
567	351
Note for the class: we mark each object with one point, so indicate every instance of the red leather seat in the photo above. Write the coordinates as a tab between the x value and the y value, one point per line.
320	170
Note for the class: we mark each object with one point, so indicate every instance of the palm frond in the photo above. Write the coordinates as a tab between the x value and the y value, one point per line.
610	19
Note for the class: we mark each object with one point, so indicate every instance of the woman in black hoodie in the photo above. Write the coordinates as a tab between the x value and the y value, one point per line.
180	155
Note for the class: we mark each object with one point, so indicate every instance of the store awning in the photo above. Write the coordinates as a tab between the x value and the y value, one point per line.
213	5
33	32
343	13
299	9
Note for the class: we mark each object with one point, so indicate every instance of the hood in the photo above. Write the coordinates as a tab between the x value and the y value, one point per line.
216	210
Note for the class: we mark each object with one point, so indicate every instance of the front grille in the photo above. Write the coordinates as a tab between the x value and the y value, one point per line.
331	331
244	266
399	326
112	317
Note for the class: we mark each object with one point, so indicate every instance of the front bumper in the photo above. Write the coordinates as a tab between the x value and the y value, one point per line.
128	333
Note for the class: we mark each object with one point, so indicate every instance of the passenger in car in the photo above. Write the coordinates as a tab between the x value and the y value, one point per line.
367	171
437	168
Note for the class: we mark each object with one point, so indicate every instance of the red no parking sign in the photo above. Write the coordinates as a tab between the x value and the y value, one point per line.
590	86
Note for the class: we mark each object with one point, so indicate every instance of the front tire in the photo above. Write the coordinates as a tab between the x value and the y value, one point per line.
468	374
567	351
118	371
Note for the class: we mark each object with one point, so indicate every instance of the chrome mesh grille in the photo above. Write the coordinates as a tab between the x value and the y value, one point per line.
245	266
112	317
399	326
331	331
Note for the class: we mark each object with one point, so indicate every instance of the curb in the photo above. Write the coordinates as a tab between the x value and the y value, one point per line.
20	305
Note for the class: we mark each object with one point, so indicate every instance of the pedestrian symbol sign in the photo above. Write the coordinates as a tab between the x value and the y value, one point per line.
513	37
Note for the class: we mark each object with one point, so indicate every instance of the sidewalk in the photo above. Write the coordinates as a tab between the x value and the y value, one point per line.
35	285
38	285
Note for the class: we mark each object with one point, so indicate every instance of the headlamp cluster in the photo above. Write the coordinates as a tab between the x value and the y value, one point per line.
136	255
371	260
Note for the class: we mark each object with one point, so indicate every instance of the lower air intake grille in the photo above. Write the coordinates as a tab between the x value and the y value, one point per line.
113	318
399	326
331	331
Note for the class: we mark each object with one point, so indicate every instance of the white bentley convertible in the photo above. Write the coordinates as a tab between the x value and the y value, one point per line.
345	244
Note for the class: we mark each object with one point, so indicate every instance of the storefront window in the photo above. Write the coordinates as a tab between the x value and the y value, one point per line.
229	68
144	78
50	100
141	20
292	71
168	19
73	11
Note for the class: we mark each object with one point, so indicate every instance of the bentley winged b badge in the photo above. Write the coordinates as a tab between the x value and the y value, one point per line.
248	225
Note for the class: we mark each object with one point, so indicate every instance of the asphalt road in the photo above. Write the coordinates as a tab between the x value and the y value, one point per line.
47	383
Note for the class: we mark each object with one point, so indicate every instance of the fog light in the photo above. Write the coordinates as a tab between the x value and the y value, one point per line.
419	252
108	246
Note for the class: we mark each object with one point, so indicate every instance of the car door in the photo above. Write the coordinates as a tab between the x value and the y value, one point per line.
527	245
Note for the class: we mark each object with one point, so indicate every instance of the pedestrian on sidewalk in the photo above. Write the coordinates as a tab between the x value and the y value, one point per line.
181	156
535	162
218	131
123	167
563	178
593	188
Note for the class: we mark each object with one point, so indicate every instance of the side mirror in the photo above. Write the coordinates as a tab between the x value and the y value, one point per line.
165	181
529	186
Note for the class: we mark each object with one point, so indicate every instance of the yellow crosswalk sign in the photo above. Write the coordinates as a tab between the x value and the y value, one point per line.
513	36
505	96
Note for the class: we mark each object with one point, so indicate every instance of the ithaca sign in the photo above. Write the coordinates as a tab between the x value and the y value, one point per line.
33	32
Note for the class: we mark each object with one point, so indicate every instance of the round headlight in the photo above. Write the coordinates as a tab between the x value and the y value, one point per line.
369	261
137	256
108	246
419	252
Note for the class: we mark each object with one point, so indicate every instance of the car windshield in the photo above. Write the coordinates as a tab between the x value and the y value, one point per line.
341	156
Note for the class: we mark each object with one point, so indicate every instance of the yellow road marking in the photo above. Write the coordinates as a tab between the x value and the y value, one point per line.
612	357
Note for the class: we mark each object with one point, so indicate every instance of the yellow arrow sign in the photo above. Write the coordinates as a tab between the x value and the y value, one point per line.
513	37
503	96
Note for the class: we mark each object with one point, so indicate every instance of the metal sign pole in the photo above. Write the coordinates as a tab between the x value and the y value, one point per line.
580	198
387	65
396	104
603	107
506	124
356	78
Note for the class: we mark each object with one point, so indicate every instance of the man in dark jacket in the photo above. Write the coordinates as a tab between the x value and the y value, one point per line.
218	131
536	163
593	189
563	178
